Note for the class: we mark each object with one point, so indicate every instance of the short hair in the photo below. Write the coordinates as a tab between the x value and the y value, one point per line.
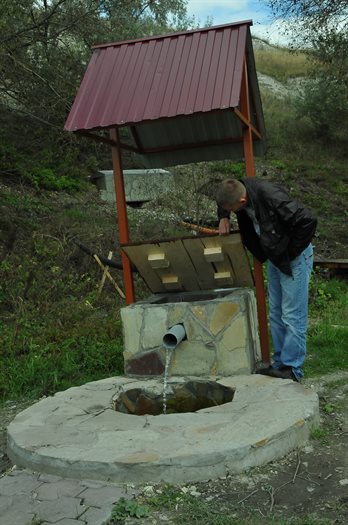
229	192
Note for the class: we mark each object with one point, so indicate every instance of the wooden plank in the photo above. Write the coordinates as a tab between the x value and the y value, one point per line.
213	254
234	249
187	261
181	265
158	260
138	255
204	270
223	266
109	276
172	283
102	282
175	253
223	279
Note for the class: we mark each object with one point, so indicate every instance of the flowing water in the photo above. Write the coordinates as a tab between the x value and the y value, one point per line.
165	380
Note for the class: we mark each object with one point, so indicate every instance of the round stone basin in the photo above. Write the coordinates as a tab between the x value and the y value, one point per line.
78	434
189	396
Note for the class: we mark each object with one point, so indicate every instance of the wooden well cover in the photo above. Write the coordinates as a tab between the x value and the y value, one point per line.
189	264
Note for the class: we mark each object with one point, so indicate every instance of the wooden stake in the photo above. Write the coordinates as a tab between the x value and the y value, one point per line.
106	268
109	276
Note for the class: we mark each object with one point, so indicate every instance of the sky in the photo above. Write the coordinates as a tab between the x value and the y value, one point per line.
227	11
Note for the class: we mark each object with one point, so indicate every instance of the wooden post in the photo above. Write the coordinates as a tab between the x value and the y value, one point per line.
250	172
122	215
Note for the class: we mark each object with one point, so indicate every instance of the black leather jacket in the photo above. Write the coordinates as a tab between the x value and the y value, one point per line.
286	226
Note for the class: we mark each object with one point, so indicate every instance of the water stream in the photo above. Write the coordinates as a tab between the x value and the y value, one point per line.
165	380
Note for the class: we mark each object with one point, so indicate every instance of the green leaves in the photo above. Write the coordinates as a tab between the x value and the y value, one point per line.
127	508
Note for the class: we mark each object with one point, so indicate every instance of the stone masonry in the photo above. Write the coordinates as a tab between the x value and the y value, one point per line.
221	336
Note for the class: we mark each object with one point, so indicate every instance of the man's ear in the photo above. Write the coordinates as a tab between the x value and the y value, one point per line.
243	200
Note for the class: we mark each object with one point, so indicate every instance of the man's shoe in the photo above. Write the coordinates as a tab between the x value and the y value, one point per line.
285	372
264	371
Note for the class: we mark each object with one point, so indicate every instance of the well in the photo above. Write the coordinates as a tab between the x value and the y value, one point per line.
221	330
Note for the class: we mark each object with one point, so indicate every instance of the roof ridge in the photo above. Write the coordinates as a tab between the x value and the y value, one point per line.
171	35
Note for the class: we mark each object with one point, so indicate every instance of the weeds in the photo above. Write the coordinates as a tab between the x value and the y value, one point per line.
186	509
56	331
321	435
126	508
281	63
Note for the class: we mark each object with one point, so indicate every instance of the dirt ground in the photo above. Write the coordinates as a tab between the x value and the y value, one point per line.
310	481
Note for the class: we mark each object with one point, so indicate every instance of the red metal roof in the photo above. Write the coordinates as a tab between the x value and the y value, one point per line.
173	75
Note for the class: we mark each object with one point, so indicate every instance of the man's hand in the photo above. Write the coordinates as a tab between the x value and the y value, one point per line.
224	226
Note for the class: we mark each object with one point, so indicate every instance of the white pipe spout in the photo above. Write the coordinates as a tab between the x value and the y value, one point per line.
174	336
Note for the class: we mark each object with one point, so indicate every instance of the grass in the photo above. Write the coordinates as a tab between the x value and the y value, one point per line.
57	330
35	363
327	350
186	509
327	340
281	63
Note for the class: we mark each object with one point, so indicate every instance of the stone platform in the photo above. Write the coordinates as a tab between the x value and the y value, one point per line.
77	434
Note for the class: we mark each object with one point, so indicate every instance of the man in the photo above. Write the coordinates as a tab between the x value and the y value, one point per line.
273	226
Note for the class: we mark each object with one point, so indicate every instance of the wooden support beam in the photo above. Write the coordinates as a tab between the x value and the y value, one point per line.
122	215
247	122
250	172
106	140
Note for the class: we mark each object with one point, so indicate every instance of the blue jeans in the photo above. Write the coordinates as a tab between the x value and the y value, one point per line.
288	311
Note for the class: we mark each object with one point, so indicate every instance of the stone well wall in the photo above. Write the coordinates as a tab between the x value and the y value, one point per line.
222	335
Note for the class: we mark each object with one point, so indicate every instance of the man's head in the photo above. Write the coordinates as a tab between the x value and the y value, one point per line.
231	195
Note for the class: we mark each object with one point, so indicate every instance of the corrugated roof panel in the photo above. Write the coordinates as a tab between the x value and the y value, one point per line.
123	70
145	81
123	102
79	113
229	70
238	65
177	89
203	79
196	73
189	74
212	79
156	77
153	105
111	83
221	69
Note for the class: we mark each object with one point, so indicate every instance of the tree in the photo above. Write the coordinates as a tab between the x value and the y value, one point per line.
45	46
322	26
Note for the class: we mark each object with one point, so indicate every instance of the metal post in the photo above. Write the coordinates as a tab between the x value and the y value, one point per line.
250	172
122	215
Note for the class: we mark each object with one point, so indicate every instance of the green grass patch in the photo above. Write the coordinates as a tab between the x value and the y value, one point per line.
281	63
327	339
327	350
40	358
44	370
328	300
321	435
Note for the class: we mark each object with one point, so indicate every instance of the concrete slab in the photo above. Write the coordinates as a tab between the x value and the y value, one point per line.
267	418
27	497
